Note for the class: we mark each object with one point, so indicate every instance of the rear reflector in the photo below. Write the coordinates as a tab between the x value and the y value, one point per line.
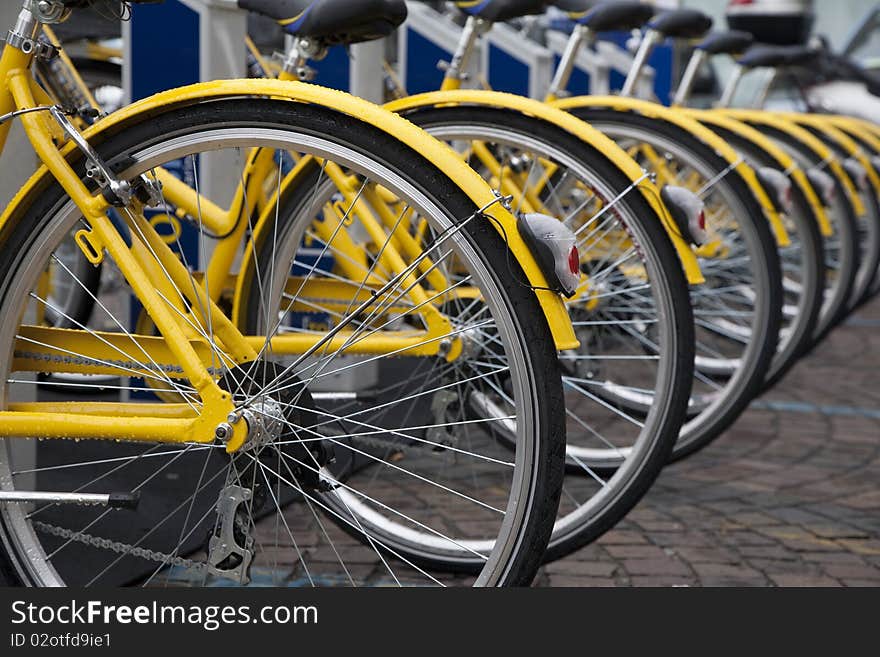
555	249
778	187
688	211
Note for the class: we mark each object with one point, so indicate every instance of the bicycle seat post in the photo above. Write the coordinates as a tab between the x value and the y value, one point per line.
581	36
730	89
474	28
683	93
646	47
731	43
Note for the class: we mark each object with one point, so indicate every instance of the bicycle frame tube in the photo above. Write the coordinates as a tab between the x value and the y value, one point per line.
18	92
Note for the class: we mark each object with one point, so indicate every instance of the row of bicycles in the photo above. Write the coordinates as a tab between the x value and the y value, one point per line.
262	332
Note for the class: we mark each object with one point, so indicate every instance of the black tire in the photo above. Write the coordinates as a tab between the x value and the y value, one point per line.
545	477
810	267
846	234
632	480
749	379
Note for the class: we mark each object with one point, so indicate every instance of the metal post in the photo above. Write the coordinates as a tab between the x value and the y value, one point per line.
580	36
651	39
732	85
222	28
473	28
766	88
18	161
367	71
683	93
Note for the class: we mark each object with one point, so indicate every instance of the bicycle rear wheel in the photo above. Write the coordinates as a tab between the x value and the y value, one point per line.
626	387
260	514
738	311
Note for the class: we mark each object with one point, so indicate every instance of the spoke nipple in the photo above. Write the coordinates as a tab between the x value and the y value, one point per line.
224	432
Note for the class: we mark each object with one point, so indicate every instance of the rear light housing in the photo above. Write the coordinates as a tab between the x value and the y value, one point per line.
824	185
554	247
688	211
778	186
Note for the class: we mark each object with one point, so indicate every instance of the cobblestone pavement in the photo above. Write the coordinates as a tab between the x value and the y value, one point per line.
790	496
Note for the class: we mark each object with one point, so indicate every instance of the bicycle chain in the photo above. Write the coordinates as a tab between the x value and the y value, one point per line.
168	559
118	547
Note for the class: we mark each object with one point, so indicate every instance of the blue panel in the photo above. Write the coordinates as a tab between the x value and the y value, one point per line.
422	56
333	70
507	73
164	47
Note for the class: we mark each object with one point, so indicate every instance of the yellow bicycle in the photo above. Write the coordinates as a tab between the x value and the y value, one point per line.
257	438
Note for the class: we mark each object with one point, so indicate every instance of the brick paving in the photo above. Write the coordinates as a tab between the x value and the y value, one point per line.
790	496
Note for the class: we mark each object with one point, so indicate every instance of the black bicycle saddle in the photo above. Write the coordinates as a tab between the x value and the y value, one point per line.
333	21
762	56
731	42
607	16
498	11
681	24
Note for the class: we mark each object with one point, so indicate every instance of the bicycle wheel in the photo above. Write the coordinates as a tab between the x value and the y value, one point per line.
626	388
738	310
259	514
867	227
841	249
803	267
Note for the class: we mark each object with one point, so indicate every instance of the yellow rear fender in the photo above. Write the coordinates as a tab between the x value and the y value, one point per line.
783	160
783	124
839	135
443	157
680	119
577	128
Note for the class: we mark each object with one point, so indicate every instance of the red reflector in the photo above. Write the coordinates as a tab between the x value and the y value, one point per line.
574	261
701	222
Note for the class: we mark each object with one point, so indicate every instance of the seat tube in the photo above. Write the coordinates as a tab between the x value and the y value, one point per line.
18	52
726	99
651	39
580	36
473	29
683	93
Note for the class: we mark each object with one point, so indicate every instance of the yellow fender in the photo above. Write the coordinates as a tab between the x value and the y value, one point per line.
859	129
841	138
681	119
444	157
783	124
778	154
576	128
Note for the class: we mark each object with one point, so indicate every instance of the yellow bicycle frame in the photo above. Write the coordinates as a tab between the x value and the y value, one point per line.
173	422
